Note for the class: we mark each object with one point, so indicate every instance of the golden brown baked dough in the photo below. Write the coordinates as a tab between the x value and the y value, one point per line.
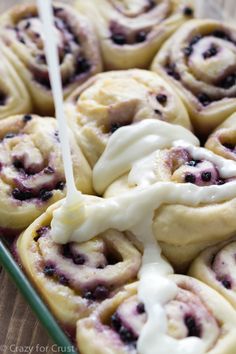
79	54
113	99
223	140
131	32
197	310
74	278
199	60
31	169
216	267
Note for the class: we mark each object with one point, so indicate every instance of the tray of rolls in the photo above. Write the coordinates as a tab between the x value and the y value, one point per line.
149	98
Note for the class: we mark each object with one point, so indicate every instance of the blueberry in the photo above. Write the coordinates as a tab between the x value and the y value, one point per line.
140	308
211	52
88	295
206	176
190	178
114	127
118	38
100	293
48	170
18	164
116	321
60	185
195	39
79	259
188	51
141	36
161	98
228	81
226	283
221	34
171	71
193	163
9	135
194	330
157	111
2	99
63	280
126	335
21	195
204	99
27	118
27	25
66	251
40	232
83	65
49	270
44	194
188	11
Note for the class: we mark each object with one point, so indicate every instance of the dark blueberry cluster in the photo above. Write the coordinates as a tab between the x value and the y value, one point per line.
77	258
211	52
225	282
228	81
126	334
101	292
204	99
188	11
140	308
194	329
50	271
161	98
41	232
26	194
171	71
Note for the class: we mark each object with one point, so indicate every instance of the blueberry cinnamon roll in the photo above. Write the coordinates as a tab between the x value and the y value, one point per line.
31	169
185	230
75	277
131	32
20	29
199	60
196	311
114	99
223	140
215	266
14	97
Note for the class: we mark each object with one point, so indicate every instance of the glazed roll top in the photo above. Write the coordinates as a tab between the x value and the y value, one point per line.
20	29
154	154
111	100
223	140
196	311
131	32
31	169
216	267
75	277
200	61
14	97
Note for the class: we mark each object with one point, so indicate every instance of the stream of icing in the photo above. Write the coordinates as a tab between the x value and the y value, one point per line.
77	221
74	198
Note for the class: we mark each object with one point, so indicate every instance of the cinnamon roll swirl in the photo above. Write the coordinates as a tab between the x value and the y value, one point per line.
183	230
111	100
31	169
216	267
131	32
14	97
223	140
20	29
199	60
75	277
196	311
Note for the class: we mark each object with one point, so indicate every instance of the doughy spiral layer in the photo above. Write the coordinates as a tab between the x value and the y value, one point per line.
14	97
197	310
131	32
216	267
20	29
114	99
74	278
223	140
199	60
31	170
195	227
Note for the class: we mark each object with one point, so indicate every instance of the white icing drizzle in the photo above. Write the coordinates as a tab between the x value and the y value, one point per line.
77	221
74	197
131	143
134	211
